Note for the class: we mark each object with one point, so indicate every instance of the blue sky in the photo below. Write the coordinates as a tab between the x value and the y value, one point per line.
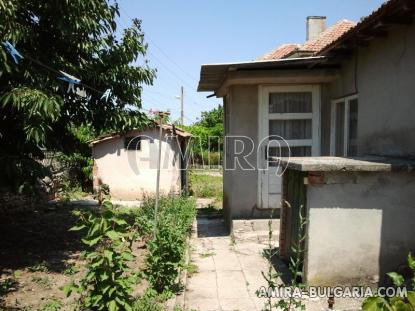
182	35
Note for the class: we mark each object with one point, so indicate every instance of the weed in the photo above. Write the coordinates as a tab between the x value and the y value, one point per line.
108	282
395	303
8	285
207	254
51	305
272	278
44	282
192	269
70	269
39	267
168	243
150	301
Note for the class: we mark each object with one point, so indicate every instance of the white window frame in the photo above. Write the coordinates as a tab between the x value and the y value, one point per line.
346	100
265	90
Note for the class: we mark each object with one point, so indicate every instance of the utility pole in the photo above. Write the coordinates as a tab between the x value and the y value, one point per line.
181	105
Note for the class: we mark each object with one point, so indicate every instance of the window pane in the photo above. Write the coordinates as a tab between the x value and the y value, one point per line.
352	128
339	130
291	129
290	102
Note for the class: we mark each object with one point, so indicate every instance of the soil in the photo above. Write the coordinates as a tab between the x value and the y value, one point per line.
38	255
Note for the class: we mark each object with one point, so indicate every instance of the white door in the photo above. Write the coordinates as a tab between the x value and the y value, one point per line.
293	113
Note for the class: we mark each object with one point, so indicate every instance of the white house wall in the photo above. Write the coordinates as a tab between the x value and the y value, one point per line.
132	174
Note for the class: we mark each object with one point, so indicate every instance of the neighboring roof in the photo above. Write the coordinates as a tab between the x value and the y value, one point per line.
280	52
374	25
314	45
213	75
167	127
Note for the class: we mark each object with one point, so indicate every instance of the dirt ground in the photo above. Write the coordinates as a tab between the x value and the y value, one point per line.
38	256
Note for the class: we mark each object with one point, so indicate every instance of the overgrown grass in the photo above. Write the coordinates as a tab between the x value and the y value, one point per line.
203	185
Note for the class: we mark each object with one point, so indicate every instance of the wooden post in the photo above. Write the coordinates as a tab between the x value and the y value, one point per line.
161	116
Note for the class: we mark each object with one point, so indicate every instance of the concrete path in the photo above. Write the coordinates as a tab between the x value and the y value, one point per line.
229	269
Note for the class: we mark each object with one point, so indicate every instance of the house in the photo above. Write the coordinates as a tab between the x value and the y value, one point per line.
127	162
342	107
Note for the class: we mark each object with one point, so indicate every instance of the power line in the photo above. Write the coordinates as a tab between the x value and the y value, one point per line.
161	50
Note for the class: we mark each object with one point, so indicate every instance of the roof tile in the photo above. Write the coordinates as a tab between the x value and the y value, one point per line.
315	45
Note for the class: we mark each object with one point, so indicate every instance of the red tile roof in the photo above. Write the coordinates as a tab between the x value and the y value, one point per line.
328	36
280	52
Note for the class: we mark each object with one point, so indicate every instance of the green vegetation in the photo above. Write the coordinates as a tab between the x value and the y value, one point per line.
203	185
108	283
52	305
167	246
207	144
273	279
397	303
36	109
44	282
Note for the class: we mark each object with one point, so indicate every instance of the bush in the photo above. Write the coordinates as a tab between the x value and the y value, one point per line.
108	283
167	246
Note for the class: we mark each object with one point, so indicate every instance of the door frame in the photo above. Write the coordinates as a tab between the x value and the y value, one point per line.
263	126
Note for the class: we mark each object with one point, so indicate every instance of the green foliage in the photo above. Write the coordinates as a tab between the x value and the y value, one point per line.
208	136
295	267
397	303
150	301
36	111
39	267
205	186
52	305
109	281
167	247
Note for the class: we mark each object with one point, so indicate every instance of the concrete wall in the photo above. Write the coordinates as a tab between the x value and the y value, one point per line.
132	174
383	75
241	185
361	226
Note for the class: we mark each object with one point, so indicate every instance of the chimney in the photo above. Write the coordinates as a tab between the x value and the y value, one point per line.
315	26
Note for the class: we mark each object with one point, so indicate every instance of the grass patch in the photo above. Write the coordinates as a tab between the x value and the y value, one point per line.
206	186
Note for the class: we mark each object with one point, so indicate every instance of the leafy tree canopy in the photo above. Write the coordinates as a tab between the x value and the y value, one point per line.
80	38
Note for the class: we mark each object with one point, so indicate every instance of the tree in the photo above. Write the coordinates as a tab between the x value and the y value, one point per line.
208	135
80	38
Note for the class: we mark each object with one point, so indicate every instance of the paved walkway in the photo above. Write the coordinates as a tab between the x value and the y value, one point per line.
229	270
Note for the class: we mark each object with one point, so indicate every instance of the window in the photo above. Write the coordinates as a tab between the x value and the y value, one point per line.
290	116
132	143
344	127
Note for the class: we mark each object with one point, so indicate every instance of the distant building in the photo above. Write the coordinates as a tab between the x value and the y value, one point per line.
128	162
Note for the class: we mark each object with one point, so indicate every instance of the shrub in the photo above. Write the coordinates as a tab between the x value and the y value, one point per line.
167	246
394	303
108	282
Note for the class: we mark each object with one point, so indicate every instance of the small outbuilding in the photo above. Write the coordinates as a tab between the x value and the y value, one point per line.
127	162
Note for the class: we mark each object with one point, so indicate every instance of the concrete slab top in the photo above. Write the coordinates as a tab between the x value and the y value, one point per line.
357	164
